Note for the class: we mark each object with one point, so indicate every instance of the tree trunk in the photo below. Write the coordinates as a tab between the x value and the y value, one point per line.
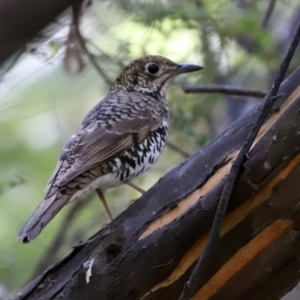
149	250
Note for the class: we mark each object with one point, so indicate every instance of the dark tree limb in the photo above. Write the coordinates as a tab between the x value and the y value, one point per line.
149	250
215	235
223	89
22	21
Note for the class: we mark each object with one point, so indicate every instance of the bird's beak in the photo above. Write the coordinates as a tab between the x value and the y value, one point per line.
186	68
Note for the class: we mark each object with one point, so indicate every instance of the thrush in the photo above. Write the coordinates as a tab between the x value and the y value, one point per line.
119	139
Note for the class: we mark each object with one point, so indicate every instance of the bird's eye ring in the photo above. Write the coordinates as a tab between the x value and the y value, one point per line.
152	68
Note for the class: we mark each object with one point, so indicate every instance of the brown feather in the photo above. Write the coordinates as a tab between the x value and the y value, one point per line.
42	215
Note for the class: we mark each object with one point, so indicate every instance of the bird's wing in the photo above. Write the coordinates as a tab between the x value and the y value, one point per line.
97	144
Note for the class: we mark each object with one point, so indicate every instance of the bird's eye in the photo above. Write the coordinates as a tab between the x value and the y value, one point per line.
152	68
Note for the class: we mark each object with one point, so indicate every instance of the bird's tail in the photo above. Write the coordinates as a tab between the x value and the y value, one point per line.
43	214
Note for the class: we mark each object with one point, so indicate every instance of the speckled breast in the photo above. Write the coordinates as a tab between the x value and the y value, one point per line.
141	157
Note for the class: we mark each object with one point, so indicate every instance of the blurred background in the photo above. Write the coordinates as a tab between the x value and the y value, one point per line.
45	96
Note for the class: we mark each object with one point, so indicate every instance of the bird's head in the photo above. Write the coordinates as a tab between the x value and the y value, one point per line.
151	74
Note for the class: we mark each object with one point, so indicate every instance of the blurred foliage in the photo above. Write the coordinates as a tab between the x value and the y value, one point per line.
41	105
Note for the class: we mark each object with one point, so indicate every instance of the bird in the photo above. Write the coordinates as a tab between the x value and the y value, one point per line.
118	140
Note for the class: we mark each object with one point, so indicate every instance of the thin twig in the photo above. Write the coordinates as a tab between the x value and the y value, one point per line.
191	285
119	62
178	150
72	47
90	56
268	14
93	60
223	89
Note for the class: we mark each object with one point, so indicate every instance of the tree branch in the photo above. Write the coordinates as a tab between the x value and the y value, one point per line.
22	21
198	272
223	89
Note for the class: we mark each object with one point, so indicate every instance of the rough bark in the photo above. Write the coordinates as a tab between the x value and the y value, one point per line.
149	250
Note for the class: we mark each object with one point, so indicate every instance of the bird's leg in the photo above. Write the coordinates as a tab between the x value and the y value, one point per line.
134	186
102	198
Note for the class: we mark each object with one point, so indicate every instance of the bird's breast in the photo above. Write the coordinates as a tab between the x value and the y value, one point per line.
140	158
